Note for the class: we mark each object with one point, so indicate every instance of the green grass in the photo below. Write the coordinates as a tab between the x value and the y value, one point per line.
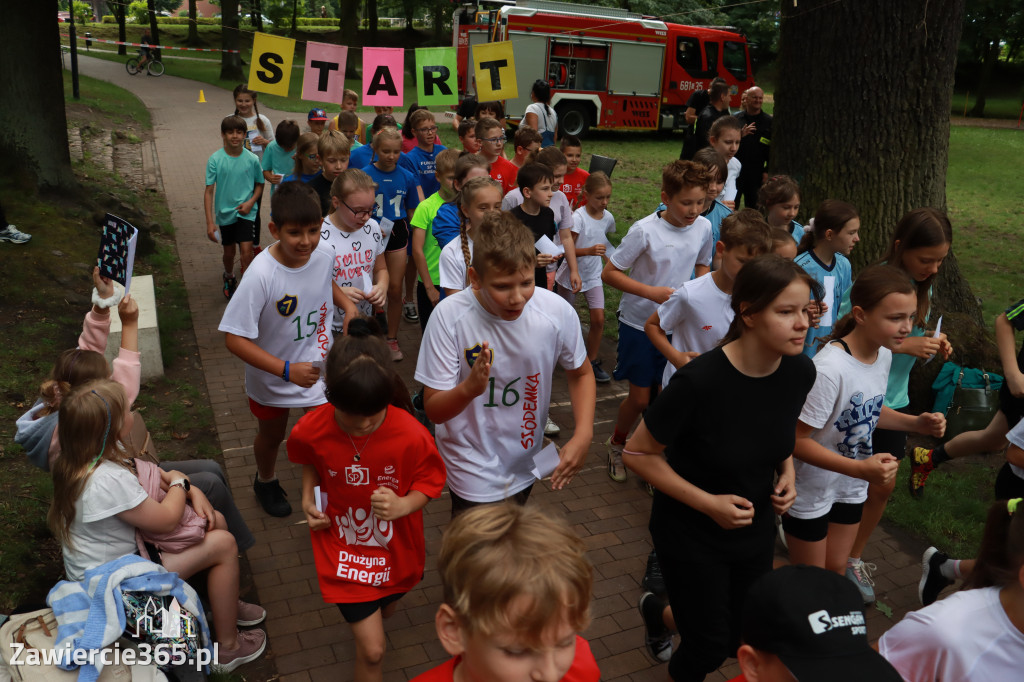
109	99
996	106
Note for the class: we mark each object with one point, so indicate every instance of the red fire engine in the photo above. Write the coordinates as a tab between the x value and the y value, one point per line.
608	68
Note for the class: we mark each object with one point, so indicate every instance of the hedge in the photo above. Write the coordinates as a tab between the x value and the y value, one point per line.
207	21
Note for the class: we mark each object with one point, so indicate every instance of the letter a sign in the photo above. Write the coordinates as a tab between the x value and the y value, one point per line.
271	67
383	76
495	71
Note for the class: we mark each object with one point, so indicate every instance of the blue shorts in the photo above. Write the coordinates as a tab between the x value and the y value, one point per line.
638	360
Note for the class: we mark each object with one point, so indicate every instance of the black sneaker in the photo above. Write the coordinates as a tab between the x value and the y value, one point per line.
230	284
653	580
932	580
272	497
601	376
657	637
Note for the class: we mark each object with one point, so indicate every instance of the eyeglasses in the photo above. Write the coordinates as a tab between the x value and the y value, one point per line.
495	140
431	129
311	157
357	212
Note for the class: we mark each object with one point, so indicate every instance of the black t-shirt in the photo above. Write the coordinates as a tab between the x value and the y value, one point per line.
467	108
323	190
698	100
756	147
708	116
726	433
542	224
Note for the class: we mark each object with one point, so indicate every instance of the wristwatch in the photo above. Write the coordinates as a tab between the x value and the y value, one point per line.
183	482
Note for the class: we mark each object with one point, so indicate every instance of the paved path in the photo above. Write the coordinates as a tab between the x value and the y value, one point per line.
308	641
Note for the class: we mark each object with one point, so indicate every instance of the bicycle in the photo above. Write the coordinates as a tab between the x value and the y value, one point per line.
154	67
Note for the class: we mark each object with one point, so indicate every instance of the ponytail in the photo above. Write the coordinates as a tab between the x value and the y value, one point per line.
807	241
832	215
1002	546
464	237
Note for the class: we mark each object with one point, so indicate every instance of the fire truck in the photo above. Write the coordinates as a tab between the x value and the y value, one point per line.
607	67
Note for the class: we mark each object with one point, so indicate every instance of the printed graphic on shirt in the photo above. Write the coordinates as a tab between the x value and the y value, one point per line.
361	527
473	353
287	305
856	423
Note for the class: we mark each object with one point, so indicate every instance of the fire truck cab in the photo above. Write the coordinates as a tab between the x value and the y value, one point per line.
608	68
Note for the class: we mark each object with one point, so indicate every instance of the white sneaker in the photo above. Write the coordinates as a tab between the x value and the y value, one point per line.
551	429
13	235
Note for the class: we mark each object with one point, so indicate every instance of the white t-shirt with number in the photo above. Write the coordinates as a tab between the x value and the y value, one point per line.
287	312
966	636
590	231
452	270
660	255
843	407
355	254
697	315
97	534
488	448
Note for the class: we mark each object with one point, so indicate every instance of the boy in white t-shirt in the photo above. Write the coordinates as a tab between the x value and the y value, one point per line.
487	391
661	251
698	314
279	323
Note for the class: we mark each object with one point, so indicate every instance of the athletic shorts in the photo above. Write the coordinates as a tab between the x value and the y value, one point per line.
399	237
1010	406
815	530
237	232
353	613
461	504
266	413
595	296
638	361
893	442
1008	484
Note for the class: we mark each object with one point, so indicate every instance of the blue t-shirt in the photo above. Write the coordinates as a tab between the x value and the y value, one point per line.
278	161
236	178
423	166
396	193
842	272
446	223
361	157
715	214
797	230
305	177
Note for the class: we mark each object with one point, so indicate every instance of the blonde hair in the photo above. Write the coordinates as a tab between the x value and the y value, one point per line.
509	568
445	161
463	198
503	244
385	134
595	181
333	142
307	143
73	367
88	428
351	180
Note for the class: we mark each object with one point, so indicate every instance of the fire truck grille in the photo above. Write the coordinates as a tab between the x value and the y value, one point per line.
639	113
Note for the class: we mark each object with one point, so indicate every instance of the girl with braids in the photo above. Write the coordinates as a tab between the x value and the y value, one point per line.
478	199
834	456
978	633
539	115
389	469
261	133
98	503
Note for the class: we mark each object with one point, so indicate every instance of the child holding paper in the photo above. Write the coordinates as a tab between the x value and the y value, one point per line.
367	525
535	182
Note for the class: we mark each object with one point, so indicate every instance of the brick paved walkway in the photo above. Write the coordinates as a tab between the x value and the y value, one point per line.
308	642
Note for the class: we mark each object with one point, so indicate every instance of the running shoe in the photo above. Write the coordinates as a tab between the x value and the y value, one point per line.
657	637
14	235
396	352
409	312
551	429
860	573
271	497
251	644
921	465
932	580
616	470
250	614
601	376
230	284
653	580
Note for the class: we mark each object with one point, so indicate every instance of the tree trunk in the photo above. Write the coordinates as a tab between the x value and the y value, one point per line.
257	10
371	20
193	26
33	126
295	17
985	79
845	129
439	18
153	30
348	22
230	63
120	9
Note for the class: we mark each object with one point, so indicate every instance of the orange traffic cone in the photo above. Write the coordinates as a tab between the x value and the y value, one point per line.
202	98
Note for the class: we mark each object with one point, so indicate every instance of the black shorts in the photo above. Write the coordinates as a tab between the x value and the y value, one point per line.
461	504
399	236
1010	406
237	232
893	442
815	530
1008	484
353	613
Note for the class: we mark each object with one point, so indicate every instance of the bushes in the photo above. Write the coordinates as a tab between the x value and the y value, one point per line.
316	21
206	21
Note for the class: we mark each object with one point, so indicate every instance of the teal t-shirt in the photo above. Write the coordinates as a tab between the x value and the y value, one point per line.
278	161
423	219
235	178
896	393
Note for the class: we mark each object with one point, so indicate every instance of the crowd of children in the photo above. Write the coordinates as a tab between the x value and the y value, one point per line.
746	309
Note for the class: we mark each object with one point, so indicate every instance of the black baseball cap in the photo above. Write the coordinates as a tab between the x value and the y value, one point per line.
813	620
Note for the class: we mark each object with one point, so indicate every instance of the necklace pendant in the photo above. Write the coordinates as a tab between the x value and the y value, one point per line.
355	457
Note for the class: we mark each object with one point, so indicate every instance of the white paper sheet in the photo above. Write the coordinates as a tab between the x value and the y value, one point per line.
321	500
829	300
252	135
386	226
545	462
938	330
545	245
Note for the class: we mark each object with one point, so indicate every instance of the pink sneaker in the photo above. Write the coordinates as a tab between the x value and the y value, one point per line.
250	614
396	352
251	644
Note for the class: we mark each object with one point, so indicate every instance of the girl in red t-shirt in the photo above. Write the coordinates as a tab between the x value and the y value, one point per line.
376	468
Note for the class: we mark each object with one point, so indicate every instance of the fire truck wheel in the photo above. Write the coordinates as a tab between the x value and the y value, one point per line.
574	118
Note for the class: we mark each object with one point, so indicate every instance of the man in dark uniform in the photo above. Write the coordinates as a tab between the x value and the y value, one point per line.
698	100
755	146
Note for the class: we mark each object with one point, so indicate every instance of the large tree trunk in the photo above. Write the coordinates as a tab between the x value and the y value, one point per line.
862	114
985	80
33	127
371	19
154	31
348	22
230	63
119	9
193	25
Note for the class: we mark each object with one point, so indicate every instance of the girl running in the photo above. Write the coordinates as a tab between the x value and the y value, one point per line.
477	199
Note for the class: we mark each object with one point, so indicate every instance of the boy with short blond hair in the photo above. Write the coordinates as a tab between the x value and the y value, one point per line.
425	250
575	177
489	393
660	251
332	151
492	146
524	142
513	575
